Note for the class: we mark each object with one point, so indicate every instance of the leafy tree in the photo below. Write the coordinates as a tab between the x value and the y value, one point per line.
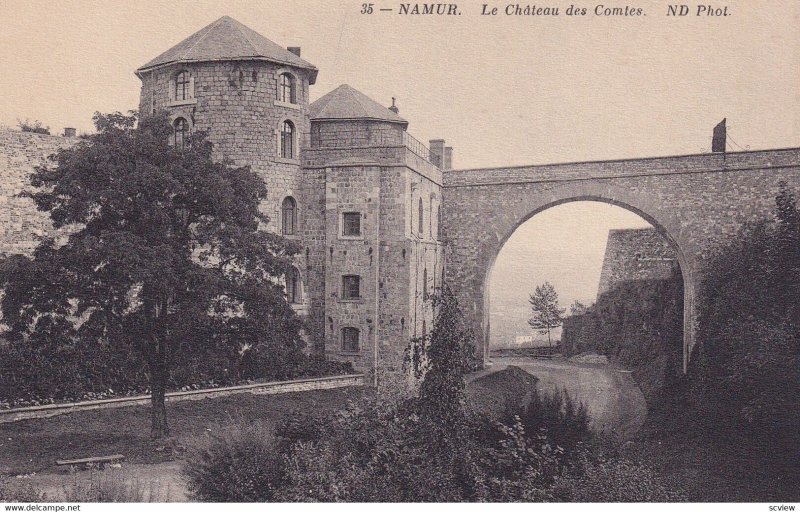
165	253
547	315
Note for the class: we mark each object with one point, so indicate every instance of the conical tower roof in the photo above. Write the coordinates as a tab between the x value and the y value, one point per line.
227	39
346	103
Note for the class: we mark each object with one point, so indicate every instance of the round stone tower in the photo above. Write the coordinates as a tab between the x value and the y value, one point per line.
250	95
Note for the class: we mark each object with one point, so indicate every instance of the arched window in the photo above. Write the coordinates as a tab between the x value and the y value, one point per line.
286	92
294	294
421	217
350	339
439	222
287	140
181	127
289	216
182	86
425	284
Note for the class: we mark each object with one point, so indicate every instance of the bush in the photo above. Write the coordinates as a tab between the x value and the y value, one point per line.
33	127
39	371
16	492
556	413
616	480
426	446
114	487
240	462
745	372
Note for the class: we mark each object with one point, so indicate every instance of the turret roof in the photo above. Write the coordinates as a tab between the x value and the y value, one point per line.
227	39
346	103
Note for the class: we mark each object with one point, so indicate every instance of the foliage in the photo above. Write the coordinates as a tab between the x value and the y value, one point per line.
35	374
745	373
111	486
556	413
639	325
547	314
616	480
166	255
578	308
425	447
16	492
33	127
238	461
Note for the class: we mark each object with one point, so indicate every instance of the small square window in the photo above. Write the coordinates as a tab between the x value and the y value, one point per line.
351	287
351	224
350	341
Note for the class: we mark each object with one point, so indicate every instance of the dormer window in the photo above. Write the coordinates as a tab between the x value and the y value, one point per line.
286	92
182	89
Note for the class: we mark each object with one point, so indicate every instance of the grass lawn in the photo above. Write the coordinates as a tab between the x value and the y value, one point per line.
34	445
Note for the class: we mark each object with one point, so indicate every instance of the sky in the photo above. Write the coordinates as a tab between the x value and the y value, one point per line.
564	246
500	90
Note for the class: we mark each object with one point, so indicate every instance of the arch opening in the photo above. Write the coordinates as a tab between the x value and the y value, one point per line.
566	242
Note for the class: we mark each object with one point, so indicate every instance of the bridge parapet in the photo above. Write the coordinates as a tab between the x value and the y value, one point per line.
655	166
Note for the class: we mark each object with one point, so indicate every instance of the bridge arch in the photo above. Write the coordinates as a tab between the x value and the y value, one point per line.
496	211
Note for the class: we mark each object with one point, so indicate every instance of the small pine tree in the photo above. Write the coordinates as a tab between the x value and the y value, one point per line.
547	315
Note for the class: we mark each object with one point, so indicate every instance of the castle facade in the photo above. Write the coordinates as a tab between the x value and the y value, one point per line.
344	179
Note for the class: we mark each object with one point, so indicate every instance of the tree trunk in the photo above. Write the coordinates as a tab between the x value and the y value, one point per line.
549	342
158	384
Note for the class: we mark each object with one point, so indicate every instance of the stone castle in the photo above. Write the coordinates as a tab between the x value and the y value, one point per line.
369	204
344	178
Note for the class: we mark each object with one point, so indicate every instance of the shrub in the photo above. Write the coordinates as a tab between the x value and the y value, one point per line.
745	372
616	480
114	487
33	126
239	462
556	413
17	492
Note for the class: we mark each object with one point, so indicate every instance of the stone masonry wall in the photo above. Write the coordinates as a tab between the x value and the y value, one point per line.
377	179
696	201
20	222
339	134
635	254
237	104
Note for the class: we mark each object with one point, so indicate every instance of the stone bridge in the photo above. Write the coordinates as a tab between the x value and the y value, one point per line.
695	201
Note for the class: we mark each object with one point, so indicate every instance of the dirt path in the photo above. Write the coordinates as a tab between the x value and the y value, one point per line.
614	401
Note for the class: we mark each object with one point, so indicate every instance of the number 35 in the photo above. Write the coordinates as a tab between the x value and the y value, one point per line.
366	8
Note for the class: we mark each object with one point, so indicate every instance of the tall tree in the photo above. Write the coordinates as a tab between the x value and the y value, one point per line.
165	252
547	315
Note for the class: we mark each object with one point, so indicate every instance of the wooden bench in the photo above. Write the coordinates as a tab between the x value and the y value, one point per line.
88	461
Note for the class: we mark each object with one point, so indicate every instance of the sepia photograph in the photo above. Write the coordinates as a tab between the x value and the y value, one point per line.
301	251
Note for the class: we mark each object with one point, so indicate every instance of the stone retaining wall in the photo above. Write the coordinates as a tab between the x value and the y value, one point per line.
265	388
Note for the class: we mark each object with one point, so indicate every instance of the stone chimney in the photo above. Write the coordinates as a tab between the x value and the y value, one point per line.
69	132
448	158
437	152
294	49
394	108
720	139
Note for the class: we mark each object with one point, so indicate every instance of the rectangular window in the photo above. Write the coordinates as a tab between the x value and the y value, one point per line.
351	224
351	287
350	340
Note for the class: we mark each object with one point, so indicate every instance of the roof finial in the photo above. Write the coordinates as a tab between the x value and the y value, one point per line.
394	108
